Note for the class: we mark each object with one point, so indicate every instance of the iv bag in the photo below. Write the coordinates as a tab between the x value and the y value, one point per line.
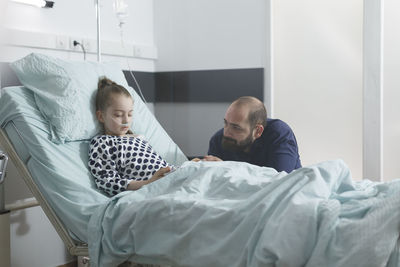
121	10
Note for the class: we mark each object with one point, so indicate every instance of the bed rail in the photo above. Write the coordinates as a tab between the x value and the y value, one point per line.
3	168
4	216
73	248
22	204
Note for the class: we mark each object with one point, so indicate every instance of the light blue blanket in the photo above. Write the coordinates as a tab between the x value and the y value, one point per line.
237	214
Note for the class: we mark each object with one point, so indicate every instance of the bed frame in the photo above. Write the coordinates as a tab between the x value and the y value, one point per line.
74	248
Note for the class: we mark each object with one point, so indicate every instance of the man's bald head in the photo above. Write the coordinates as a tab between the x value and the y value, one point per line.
257	113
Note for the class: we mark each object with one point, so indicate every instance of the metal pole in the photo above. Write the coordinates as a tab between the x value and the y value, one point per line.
97	4
22	204
2	197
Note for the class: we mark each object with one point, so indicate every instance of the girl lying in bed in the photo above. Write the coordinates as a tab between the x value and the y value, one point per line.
118	159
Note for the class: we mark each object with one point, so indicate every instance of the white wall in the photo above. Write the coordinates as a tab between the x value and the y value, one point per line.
202	35
34	242
207	34
391	90
76	18
317	74
191	125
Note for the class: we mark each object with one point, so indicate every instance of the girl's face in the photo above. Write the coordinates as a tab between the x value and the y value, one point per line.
117	117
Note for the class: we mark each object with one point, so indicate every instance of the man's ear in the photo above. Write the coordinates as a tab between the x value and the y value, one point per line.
258	130
99	116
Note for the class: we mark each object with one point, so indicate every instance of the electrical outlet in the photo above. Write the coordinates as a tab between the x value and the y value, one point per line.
138	51
90	45
61	42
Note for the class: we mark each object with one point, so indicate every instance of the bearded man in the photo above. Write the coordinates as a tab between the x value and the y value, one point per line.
250	137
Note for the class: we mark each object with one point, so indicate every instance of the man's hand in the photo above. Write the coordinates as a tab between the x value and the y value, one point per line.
211	158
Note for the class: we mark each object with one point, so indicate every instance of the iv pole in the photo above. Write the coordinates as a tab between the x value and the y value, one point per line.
97	6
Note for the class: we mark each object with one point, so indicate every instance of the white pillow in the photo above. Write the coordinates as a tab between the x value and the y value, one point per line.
65	93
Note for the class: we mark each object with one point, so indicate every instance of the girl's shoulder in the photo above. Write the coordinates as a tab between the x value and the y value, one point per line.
110	140
139	136
100	139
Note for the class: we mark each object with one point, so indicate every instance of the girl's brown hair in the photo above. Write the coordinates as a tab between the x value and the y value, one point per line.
105	88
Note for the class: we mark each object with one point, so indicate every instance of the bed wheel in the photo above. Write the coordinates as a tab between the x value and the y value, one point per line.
83	261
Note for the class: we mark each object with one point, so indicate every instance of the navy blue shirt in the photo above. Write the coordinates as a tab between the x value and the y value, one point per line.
276	148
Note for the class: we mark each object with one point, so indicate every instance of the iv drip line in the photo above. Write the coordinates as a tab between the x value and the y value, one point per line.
129	66
121	11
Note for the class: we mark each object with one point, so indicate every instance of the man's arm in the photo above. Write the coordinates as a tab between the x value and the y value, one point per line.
284	150
285	156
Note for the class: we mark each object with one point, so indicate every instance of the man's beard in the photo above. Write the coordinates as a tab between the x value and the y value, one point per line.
231	145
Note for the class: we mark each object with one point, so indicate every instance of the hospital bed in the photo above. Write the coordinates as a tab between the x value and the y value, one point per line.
24	137
203	214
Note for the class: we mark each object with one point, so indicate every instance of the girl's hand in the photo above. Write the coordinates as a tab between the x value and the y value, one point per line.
135	185
159	174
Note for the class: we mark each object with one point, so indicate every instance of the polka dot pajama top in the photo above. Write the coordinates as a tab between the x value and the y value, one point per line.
114	161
